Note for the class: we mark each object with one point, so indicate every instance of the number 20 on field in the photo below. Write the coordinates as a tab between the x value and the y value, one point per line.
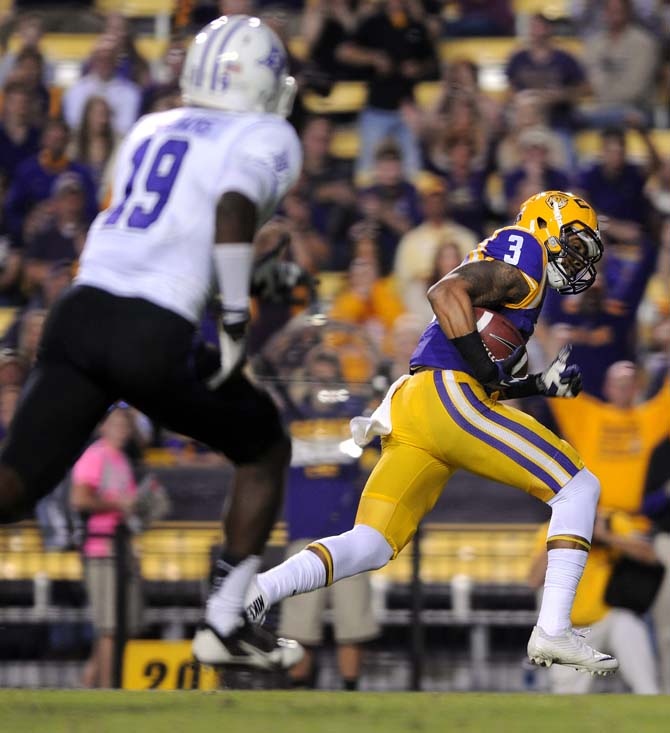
164	665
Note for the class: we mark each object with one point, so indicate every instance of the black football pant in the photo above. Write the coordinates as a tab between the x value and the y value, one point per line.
98	348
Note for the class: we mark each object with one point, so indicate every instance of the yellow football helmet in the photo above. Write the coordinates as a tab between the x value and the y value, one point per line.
568	227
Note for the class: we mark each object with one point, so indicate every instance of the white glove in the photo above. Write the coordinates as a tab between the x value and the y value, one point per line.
559	379
233	344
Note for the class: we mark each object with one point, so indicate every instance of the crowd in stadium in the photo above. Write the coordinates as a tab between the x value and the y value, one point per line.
395	190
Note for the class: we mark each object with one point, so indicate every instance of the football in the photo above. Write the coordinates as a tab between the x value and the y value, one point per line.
501	337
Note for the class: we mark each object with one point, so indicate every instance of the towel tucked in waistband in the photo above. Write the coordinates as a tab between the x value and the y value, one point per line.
364	429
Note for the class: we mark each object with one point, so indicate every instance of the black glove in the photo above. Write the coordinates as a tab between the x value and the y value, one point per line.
557	380
274	279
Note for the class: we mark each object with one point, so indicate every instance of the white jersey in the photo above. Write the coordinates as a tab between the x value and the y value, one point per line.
156	239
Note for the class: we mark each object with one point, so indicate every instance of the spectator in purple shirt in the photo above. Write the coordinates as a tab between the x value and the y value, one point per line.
63	239
535	172
391	205
10	258
482	18
34	179
167	82
326	184
131	64
29	30
28	70
323	489
554	74
9	398
58	278
18	138
615	187
601	323
466	186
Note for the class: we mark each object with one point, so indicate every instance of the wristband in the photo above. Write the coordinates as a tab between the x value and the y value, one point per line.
233	264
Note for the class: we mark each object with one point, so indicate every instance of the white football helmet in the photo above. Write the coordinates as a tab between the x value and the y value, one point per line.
238	64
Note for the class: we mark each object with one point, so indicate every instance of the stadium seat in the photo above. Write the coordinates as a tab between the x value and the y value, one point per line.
159	457
59	47
7	316
345	143
62	46
588	144
23	557
179	551
331	284
427	94
485	51
486	555
151	48
159	10
137	8
552	9
297	46
491	56
345	97
350	96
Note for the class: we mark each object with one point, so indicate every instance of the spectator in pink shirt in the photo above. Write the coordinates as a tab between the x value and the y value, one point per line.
104	490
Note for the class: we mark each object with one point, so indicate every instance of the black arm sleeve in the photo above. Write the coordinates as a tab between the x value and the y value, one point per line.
472	349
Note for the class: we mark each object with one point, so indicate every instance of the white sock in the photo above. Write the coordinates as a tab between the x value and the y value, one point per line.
301	573
225	604
564	570
356	551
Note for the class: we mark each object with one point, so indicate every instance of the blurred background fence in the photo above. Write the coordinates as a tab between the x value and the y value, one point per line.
454	608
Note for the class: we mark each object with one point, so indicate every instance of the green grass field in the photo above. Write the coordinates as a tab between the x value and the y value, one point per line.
23	711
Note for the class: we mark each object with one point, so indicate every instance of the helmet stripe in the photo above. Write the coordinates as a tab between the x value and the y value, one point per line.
199	72
224	42
557	214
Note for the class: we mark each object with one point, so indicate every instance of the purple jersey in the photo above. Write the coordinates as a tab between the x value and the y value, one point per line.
325	479
515	246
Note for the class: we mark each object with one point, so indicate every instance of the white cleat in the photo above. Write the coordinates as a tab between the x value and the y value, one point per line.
247	646
256	604
570	650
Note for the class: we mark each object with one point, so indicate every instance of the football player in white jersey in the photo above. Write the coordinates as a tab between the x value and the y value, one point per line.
192	186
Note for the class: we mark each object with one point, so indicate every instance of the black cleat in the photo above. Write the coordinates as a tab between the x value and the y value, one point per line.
247	646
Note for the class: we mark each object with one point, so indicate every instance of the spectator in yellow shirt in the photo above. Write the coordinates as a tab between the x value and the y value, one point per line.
616	437
370	300
618	631
415	256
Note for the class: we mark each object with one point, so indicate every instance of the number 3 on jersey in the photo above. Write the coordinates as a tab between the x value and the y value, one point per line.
159	181
514	254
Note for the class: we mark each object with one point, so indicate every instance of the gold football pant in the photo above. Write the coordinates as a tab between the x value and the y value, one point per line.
442	421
